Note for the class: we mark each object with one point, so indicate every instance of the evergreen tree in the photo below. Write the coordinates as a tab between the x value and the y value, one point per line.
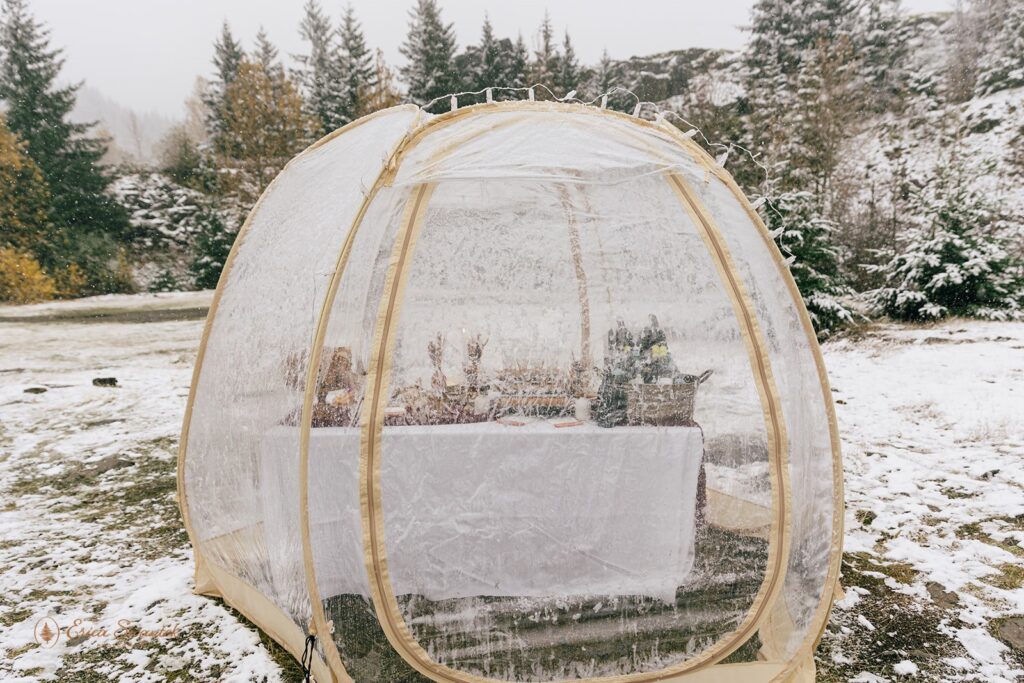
430	50
266	54
963	55
802	79
771	62
516	74
212	246
1002	65
492	68
882	46
86	220
605	79
955	258
606	76
546	68
569	74
357	67
320	71
227	56
805	237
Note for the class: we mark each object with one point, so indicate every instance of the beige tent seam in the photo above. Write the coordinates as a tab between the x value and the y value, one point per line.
778	447
320	625
806	651
394	625
205	576
372	429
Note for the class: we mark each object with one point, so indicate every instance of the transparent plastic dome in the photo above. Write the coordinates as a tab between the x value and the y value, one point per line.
521	392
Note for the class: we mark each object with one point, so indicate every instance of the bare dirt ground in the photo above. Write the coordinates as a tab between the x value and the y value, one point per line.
933	432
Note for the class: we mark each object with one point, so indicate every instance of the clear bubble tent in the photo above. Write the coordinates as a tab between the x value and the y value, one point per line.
519	392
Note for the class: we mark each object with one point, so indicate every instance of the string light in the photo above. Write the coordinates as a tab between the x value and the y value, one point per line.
658	114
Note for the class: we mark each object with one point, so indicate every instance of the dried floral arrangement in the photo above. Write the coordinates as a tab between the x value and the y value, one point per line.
641	383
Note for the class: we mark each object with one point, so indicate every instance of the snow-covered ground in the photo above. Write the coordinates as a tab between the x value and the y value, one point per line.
933	432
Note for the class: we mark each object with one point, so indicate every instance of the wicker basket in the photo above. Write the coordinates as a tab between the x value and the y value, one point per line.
663	404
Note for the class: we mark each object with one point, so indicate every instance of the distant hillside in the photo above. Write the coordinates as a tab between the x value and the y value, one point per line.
135	135
993	124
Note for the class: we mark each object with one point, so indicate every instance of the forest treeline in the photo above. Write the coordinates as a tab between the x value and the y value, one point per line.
915	243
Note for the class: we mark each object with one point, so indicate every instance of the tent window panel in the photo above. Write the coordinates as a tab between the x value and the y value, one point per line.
812	482
548	413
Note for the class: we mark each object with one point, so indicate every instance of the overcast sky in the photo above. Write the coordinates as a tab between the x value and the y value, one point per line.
146	54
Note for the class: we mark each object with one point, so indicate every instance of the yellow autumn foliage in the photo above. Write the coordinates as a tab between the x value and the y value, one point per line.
22	281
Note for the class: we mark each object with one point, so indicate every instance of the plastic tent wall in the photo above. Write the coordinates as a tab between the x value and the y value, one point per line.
487	550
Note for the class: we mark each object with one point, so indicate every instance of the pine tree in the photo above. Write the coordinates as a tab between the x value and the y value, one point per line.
227	56
492	68
955	259
802	79
430	50
320	72
963	55
357	67
771	62
86	220
517	74
546	67
212	246
805	237
266	54
1002	65
605	79
569	74
882	46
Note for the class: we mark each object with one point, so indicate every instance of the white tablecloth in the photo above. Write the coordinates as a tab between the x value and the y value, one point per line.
489	509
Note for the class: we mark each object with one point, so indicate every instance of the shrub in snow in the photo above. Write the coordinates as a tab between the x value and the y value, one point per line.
159	209
1002	64
953	258
213	243
805	236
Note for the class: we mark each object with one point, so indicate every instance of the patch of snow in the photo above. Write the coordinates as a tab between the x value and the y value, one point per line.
905	668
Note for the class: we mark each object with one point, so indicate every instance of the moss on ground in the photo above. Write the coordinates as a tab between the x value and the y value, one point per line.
898	627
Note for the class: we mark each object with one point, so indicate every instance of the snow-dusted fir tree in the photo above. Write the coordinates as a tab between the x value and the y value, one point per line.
517	75
806	239
1001	64
954	258
319	72
227	56
429	49
492	66
547	62
266	54
356	65
800	81
159	209
881	45
212	246
37	107
569	73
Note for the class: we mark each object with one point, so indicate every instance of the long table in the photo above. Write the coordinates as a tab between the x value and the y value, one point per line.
494	510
